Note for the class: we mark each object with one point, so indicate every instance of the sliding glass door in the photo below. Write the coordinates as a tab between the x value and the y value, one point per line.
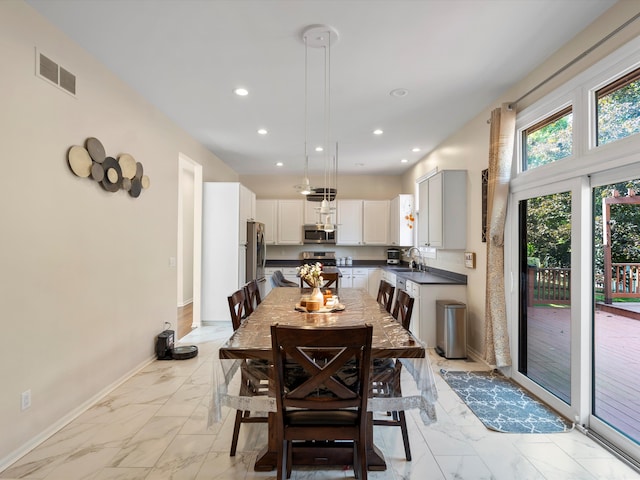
616	300
544	353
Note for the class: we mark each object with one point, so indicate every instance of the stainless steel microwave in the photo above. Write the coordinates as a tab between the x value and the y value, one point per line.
315	234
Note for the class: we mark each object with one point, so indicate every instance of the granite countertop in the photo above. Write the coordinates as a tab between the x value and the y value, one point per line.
432	276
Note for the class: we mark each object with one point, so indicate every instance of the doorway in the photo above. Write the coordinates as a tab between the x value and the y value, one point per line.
189	244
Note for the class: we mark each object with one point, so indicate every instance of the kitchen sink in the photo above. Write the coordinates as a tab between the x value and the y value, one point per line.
403	269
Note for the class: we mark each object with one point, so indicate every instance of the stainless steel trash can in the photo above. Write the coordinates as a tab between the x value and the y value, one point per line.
451	329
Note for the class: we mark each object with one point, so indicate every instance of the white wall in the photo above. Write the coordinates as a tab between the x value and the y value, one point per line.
86	281
468	149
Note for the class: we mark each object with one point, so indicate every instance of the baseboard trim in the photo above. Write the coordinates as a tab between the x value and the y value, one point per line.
25	448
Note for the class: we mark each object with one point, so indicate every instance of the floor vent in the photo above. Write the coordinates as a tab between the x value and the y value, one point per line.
54	73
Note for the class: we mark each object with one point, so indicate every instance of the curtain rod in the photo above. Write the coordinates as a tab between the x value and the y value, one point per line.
575	60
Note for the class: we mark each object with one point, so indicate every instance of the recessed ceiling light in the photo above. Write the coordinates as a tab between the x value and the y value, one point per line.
241	92
262	131
319	149
399	92
404	160
279	164
378	131
415	149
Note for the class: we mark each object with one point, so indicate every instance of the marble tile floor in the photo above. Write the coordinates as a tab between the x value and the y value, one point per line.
154	427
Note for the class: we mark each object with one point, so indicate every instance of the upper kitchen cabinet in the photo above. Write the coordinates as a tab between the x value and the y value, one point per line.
290	220
443	210
267	213
362	222
349	216
401	221
283	220
375	222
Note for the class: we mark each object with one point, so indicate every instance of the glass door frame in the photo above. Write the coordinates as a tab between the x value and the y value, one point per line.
581	287
599	427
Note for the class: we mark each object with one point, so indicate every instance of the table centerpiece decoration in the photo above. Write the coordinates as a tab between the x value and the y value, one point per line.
312	274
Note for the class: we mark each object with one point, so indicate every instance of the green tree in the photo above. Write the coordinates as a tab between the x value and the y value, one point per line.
549	229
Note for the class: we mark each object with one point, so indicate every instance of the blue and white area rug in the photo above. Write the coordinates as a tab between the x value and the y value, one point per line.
502	405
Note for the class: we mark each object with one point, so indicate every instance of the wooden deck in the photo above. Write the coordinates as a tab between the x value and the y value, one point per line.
617	371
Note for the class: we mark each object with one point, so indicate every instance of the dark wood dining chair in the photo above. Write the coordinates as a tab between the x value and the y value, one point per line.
385	295
329	402
254	374
237	307
385	377
329	279
252	294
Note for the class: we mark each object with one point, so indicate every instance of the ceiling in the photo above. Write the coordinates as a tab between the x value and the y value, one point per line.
453	57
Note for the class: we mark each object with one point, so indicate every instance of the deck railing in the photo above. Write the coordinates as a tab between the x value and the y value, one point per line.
553	285
625	280
549	285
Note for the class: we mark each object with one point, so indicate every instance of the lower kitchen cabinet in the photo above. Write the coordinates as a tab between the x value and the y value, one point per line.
375	275
291	273
355	278
413	289
268	272
426	312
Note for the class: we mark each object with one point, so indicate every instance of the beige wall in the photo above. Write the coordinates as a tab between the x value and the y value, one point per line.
469	147
86	281
366	187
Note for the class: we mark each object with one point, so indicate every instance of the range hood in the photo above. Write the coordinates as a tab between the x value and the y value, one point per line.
319	194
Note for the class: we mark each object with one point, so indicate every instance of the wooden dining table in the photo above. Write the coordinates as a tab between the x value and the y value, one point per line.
252	340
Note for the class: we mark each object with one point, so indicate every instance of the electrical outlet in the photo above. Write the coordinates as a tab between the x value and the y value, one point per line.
25	399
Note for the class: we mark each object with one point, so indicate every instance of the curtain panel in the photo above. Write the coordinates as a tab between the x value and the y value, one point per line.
501	145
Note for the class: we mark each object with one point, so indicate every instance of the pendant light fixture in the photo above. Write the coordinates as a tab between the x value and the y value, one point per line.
306	186
322	36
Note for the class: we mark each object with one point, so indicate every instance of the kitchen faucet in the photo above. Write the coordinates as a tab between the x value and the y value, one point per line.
409	253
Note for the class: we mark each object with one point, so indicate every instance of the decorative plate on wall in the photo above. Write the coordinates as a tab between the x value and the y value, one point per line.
121	174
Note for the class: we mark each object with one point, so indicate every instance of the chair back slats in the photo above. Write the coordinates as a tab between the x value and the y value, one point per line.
385	295
329	279
403	308
324	354
252	294
237	307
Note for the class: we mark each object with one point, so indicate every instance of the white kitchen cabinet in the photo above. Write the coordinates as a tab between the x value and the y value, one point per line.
311	213
290	220
363	222
267	213
413	289
268	272
225	206
283	220
401	227
291	273
375	275
349	215
442	221
355	278
375	222
426	314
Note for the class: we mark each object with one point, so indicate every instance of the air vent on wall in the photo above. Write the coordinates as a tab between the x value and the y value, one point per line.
54	73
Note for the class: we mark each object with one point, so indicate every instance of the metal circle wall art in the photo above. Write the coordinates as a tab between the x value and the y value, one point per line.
123	173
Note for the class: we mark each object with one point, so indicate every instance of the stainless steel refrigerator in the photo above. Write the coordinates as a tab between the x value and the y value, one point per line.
256	255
